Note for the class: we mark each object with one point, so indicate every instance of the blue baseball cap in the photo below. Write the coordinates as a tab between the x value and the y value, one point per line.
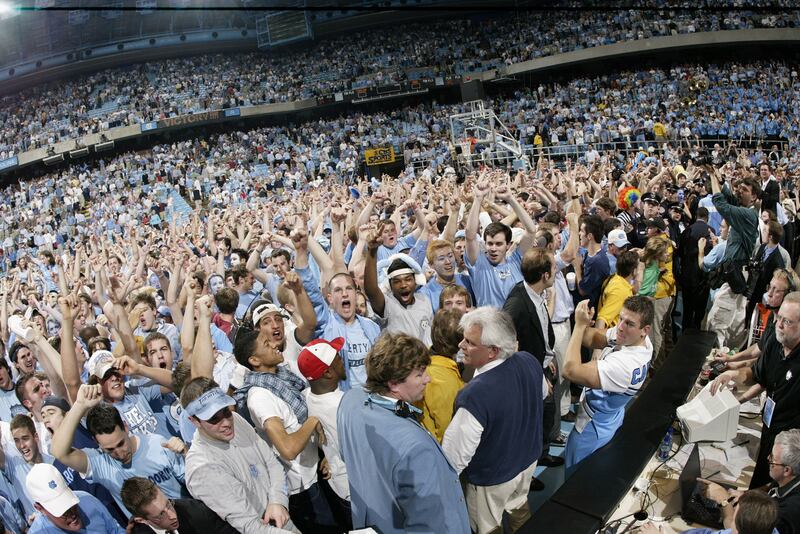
206	405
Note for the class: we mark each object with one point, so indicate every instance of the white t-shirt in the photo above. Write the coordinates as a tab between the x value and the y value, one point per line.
616	367
291	349
301	472
414	320
324	408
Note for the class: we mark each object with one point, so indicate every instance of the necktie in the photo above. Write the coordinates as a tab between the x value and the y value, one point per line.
551	335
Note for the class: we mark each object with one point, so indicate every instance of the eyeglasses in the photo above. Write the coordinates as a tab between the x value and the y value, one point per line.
770	462
470	344
170	507
783	321
224	413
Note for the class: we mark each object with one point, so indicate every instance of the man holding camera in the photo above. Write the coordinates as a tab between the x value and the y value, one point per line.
726	318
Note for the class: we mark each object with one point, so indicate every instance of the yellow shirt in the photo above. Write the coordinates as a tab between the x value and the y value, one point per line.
440	395
666	283
616	291
659	130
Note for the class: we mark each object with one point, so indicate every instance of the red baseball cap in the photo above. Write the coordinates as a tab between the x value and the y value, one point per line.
317	356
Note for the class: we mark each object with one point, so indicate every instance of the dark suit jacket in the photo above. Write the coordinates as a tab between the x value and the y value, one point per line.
689	274
770	196
760	280
194	517
530	336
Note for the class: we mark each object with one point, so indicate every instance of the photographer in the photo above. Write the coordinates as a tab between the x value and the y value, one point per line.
726	317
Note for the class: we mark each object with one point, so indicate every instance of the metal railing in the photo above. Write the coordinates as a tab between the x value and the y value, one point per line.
561	153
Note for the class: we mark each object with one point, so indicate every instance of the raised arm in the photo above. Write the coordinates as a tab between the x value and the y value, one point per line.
202	362
338	217
70	372
473	248
570	251
505	194
128	366
255	258
374	293
574	370
50	360
187	324
61	446
304	333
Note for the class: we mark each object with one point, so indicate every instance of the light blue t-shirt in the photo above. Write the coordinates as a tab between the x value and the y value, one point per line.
7	486
220	339
12	516
402	244
95	517
162	466
358	345
245	300
433	289
136	409
492	283
8	400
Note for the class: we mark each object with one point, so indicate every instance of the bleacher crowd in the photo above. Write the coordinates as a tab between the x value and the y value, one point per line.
68	109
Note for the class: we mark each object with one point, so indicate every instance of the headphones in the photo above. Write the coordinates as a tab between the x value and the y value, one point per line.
399	408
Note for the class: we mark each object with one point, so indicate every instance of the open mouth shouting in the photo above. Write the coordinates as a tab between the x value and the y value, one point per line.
405	297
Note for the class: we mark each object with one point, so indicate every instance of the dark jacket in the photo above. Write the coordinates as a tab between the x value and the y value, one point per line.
759	278
689	273
530	336
194	517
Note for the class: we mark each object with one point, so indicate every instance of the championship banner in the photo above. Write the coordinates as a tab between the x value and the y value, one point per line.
379	156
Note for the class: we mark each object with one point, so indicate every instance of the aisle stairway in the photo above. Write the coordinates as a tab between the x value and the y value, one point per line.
181	210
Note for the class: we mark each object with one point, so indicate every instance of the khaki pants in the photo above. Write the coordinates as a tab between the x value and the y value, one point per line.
662	307
486	504
562	331
726	318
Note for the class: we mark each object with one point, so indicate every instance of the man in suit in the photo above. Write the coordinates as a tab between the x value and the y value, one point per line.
400	480
153	512
530	310
769	256
692	279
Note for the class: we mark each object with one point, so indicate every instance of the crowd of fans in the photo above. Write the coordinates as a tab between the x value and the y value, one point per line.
181	369
135	94
243	333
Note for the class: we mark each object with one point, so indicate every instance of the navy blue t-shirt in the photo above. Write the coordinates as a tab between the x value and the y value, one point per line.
595	271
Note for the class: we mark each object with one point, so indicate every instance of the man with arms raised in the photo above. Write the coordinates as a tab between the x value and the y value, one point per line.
123	454
610	381
337	317
493	274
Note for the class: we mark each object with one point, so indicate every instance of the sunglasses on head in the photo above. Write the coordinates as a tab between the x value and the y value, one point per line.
224	413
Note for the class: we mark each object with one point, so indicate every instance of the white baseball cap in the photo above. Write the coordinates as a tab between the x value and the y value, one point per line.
46	486
101	362
617	237
265	309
